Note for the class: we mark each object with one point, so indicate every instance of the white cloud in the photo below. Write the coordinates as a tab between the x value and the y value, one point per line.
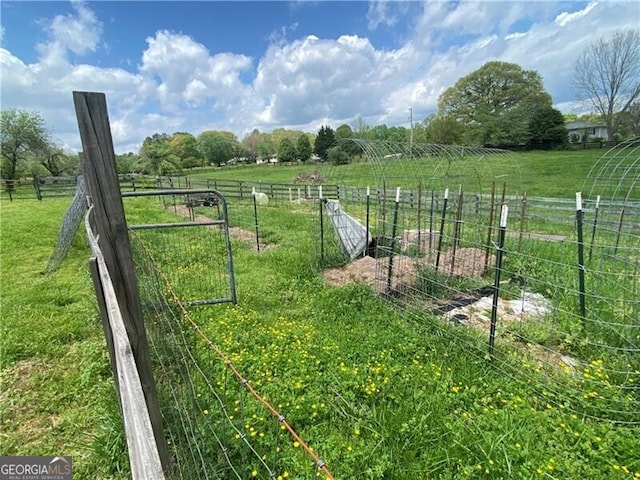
187	72
515	35
314	78
179	84
380	14
442	23
78	32
15	73
565	17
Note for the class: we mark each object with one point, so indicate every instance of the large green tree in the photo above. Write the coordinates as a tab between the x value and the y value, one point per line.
607	74
157	157
185	147
337	155
303	148
23	135
266	148
547	129
398	134
217	147
344	132
495	103
127	162
440	129
324	141
379	132
279	134
286	151
58	162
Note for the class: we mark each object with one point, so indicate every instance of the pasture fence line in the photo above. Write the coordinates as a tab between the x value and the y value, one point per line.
531	208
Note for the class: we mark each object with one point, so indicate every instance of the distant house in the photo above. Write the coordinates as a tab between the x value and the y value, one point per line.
585	132
271	159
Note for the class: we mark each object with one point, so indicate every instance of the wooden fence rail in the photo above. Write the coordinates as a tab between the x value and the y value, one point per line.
143	450
549	209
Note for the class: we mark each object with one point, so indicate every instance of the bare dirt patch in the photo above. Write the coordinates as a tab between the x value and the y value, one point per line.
235	232
469	262
464	262
364	270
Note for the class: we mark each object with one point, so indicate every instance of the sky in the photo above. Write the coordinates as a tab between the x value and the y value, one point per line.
193	66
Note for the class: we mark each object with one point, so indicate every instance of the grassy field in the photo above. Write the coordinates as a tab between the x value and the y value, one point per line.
378	394
57	395
547	174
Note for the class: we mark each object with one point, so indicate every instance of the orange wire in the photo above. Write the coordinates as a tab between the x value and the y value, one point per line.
281	418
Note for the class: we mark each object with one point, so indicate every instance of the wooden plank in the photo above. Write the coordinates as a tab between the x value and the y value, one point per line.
99	165
141	443
104	317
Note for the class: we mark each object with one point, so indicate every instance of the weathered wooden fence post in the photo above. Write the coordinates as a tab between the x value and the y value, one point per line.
103	186
36	187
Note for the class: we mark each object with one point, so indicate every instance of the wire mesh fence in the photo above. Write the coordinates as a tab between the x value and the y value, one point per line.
568	300
194	250
548	293
219	426
566	303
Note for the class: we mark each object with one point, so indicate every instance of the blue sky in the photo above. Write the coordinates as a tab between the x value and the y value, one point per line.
192	66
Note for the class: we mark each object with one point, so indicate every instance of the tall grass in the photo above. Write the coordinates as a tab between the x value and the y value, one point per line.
384	395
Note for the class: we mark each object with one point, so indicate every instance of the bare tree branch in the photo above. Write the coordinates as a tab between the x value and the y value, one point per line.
608	74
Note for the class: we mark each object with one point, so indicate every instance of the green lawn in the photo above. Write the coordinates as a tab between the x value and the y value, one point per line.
57	395
546	174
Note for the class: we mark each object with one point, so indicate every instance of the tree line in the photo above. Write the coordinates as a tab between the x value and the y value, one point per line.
27	147
499	105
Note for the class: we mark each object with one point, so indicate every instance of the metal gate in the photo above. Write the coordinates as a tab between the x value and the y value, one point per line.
185	235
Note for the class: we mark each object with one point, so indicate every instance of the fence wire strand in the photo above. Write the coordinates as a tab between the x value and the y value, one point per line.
187	356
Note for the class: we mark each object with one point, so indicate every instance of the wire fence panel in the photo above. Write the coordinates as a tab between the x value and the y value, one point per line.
194	250
566	305
219	425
